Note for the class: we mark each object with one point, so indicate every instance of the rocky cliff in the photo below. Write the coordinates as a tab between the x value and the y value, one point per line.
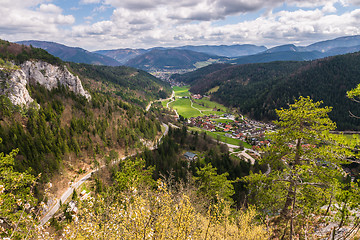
13	81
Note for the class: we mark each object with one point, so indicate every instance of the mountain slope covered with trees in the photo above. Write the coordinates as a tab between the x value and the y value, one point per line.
62	126
259	89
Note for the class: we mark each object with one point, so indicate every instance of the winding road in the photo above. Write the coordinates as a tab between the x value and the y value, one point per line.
78	183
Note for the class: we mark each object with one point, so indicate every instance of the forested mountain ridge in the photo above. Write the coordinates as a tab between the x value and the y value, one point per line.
130	84
259	89
168	59
72	54
63	128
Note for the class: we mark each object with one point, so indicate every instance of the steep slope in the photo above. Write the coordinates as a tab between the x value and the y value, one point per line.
72	54
259	89
122	55
34	66
131	85
200	73
66	132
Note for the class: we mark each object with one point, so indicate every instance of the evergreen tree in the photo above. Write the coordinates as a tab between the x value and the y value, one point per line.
305	167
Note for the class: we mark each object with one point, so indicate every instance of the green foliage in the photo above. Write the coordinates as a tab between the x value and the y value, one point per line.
16	198
212	185
21	53
132	174
6	107
305	166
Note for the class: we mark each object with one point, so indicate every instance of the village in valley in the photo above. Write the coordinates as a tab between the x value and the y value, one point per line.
250	131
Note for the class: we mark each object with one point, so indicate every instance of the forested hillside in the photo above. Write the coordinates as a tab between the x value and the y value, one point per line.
168	59
63	130
259	89
130	84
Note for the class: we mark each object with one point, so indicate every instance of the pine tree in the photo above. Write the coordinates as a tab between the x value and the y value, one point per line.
305	166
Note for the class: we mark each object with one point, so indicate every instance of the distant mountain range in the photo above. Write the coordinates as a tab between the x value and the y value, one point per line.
186	57
169	59
72	54
122	55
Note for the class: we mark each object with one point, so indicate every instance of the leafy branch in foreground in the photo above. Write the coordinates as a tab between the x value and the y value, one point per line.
17	203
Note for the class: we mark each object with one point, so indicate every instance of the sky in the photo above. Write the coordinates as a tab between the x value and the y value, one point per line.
113	24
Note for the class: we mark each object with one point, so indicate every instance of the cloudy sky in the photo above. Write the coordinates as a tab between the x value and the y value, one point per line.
110	24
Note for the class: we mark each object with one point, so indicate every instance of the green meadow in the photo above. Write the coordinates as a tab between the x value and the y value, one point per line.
200	107
181	91
183	107
221	137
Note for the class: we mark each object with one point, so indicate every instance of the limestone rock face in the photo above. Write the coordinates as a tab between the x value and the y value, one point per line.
14	86
13	83
51	76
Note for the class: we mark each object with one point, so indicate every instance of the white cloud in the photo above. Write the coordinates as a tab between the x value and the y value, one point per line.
32	19
329	8
50	8
148	23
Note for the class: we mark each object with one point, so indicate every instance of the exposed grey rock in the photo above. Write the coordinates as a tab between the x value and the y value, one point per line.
14	86
51	76
13	82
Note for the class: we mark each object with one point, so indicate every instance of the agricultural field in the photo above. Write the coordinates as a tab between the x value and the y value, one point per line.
207	103
183	107
181	91
200	107
221	137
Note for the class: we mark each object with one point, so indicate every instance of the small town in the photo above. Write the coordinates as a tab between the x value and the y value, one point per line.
250	131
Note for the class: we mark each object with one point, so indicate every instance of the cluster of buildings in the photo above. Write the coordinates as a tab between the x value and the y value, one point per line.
197	96
245	130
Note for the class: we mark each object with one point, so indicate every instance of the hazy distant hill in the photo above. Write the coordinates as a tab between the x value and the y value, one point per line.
290	52
122	55
168	59
72	54
226	50
341	42
283	48
278	56
258	89
173	58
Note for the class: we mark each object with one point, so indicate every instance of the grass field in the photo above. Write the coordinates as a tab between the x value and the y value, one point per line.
183	107
210	104
221	136
214	89
200	107
181	91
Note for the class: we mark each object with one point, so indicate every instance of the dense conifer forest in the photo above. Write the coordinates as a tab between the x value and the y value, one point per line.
259	89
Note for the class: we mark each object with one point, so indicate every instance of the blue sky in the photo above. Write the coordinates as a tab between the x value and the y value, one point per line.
111	24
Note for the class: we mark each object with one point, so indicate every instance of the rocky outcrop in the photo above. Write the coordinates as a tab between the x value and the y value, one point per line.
13	83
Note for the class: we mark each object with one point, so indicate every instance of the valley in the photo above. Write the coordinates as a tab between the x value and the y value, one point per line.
123	148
